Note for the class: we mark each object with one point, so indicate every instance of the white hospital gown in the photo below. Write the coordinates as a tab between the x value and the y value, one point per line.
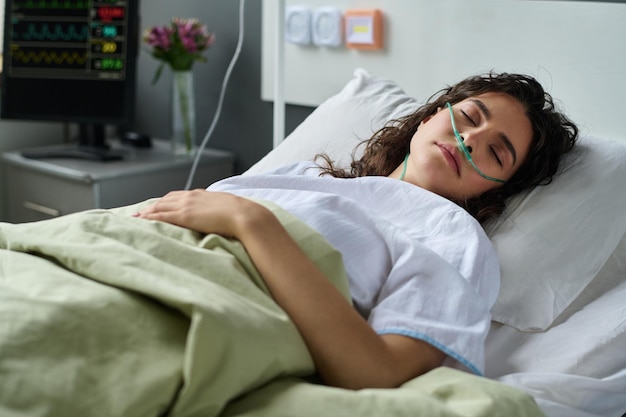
417	264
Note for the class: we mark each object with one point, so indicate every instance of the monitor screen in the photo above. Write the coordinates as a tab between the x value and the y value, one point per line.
71	61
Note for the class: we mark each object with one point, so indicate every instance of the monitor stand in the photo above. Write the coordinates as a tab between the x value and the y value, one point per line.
91	146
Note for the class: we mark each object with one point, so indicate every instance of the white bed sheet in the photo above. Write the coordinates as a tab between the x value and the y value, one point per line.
577	368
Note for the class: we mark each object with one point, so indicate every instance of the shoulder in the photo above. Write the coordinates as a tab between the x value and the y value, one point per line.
295	168
280	175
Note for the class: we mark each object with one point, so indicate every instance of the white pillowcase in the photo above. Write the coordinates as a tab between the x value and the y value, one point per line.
337	126
579	361
551	241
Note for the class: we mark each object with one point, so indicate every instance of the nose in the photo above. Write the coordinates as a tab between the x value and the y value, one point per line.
469	147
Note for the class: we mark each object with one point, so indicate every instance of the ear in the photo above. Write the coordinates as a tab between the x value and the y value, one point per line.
427	118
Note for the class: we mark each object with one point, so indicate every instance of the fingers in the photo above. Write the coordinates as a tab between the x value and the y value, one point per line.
198	210
201	210
170	202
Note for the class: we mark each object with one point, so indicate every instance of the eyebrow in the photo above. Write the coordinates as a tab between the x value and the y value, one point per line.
504	138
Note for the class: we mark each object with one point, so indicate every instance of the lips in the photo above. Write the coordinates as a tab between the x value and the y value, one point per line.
451	156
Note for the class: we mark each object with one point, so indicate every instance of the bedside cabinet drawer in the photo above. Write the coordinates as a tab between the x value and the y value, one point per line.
32	196
38	189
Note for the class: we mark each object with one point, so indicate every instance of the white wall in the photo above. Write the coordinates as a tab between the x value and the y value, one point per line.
576	49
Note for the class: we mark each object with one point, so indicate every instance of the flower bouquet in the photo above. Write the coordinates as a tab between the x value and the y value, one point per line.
178	45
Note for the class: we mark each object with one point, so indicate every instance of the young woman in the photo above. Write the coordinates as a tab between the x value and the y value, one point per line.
406	217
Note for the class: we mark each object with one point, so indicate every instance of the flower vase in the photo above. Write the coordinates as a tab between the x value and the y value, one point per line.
183	114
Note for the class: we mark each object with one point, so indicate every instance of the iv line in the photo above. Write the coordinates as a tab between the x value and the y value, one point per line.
406	160
216	116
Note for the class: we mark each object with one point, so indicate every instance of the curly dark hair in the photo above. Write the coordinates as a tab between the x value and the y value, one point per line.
554	134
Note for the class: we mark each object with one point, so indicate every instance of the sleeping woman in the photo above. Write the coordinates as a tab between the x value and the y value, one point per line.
406	217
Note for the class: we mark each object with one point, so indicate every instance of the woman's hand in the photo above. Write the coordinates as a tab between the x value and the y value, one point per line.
202	211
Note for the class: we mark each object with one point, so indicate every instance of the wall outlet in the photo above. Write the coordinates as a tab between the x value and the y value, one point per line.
327	26
298	25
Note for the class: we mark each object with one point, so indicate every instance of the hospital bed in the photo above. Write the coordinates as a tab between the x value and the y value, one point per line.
558	327
139	337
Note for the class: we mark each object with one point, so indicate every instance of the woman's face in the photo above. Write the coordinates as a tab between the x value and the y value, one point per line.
494	128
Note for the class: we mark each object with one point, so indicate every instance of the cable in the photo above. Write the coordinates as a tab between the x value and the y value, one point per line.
216	116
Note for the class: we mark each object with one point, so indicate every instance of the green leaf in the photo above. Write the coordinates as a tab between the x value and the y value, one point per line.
157	74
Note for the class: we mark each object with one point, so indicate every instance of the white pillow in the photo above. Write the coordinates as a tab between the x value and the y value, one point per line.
579	361
551	241
337	126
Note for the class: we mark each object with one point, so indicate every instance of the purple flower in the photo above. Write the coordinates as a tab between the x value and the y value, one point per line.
159	37
179	43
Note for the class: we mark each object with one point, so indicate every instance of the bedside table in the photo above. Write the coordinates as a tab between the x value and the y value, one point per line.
38	189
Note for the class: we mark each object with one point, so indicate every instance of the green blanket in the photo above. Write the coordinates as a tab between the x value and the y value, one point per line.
105	314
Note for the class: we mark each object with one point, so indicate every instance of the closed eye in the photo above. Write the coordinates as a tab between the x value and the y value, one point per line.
495	155
468	118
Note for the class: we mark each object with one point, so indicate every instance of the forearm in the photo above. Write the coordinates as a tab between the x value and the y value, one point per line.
345	349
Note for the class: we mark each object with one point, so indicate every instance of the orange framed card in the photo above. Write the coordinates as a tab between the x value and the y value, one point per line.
364	28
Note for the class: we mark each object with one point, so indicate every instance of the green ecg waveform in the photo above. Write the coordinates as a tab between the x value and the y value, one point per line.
49	57
56	33
53	4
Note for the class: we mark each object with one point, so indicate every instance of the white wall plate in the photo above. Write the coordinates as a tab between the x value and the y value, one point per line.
327	26
298	25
